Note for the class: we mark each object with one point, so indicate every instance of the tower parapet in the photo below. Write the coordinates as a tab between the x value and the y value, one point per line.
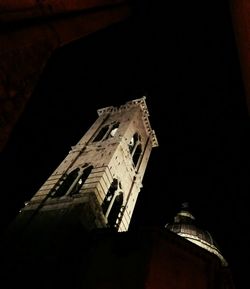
133	103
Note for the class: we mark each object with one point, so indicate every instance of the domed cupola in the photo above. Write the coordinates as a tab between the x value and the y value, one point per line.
184	225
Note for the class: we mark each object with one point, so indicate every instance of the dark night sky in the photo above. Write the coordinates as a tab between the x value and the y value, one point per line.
183	57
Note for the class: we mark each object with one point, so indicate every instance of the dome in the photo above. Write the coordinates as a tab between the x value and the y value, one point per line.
184	225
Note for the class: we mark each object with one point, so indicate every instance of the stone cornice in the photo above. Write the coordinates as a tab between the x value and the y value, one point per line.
141	102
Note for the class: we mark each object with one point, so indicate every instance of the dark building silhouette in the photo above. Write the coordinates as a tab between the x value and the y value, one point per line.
30	32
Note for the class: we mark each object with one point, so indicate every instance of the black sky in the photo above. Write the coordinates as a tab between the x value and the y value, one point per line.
183	57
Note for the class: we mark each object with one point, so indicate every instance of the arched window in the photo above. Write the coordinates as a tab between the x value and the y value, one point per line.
135	148
109	196
114	129
67	183
115	210
107	131
73	182
101	134
137	154
75	190
133	142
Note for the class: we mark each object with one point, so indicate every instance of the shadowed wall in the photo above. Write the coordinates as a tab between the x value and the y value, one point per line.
30	32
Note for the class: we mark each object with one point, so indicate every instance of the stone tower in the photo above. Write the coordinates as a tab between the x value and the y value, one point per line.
98	182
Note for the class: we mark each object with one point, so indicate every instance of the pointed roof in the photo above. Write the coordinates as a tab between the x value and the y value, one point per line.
185	226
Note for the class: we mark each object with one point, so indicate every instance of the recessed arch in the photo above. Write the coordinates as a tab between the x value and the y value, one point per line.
107	131
137	154
101	134
109	196
80	182
133	142
66	184
114	129
115	210
73	182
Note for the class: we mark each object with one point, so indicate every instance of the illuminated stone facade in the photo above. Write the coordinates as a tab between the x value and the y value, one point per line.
99	180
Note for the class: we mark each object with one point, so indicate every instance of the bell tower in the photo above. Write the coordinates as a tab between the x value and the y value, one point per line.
98	182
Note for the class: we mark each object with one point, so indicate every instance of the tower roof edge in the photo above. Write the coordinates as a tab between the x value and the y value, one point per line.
141	102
